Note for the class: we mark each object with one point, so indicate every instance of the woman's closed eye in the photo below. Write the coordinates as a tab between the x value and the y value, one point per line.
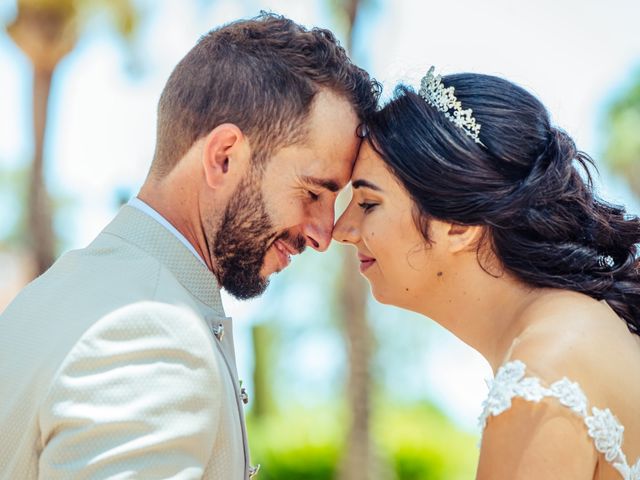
313	196
367	206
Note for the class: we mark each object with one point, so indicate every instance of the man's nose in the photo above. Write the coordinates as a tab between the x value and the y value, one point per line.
318	232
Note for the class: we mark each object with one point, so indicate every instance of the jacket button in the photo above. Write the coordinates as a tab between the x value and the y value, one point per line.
218	331
253	471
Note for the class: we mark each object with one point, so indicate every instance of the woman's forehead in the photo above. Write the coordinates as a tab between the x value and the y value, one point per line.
368	161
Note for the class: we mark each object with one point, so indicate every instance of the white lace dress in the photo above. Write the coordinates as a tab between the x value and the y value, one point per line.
603	427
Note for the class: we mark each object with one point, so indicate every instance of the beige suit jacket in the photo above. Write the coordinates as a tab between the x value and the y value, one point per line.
110	366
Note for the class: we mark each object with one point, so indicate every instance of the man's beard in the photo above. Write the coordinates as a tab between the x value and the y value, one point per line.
243	238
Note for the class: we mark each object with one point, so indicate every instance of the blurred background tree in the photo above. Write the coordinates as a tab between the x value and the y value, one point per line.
359	459
46	31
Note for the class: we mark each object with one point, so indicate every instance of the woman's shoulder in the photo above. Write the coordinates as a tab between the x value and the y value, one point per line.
568	378
529	434
570	335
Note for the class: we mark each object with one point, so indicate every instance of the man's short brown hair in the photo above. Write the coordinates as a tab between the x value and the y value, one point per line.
260	74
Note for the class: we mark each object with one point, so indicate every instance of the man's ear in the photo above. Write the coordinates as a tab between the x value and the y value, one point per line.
463	237
225	154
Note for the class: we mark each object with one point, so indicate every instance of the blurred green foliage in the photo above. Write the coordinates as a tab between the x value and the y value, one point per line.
13	198
422	444
13	208
417	442
298	444
623	135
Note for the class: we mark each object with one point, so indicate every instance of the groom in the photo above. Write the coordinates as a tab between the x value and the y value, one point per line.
118	362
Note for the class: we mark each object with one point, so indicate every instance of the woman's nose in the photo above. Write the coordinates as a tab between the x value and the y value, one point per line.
345	230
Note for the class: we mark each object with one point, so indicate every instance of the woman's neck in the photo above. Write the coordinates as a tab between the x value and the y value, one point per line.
485	312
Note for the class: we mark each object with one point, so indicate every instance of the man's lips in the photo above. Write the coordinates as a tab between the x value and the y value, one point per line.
284	252
289	249
365	262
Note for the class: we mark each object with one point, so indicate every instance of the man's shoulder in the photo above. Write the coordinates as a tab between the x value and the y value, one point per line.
96	278
110	283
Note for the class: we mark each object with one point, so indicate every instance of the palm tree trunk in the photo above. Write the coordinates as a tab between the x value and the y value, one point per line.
358	462
45	32
40	212
351	8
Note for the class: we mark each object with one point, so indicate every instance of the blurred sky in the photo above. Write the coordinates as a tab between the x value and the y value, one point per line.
576	55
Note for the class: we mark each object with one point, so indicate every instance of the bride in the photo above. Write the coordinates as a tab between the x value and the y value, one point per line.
470	208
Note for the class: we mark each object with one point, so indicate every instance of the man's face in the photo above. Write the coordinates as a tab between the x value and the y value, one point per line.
277	212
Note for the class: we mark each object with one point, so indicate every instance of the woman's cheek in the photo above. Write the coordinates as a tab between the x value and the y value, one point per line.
370	231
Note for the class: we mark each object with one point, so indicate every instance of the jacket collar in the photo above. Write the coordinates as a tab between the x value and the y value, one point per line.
139	229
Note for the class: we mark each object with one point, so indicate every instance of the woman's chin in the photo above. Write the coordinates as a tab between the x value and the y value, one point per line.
388	297
380	294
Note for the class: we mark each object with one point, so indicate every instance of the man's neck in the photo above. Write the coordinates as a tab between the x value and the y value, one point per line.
182	211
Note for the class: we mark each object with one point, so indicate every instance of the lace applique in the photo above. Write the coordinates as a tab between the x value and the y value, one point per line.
603	427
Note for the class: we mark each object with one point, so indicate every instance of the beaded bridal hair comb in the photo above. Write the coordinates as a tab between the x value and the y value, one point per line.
433	91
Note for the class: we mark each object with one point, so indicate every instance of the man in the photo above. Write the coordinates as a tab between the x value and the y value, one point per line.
118	362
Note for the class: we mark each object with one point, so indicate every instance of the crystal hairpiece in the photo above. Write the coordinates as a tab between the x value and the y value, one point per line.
433	91
606	261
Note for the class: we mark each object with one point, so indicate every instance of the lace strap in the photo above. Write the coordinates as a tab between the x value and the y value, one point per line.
602	426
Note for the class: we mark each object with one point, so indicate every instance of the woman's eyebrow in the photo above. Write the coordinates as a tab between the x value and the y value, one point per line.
365	184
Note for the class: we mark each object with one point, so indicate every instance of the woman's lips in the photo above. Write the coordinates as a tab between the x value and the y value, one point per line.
365	262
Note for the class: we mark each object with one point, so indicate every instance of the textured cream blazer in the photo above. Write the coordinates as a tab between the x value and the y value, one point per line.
113	364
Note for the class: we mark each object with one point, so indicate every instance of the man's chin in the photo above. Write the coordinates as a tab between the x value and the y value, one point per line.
273	264
266	272
246	289
245	293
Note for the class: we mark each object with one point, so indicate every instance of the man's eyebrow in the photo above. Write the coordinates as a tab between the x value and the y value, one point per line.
365	184
327	184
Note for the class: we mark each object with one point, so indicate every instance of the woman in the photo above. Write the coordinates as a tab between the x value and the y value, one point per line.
469	207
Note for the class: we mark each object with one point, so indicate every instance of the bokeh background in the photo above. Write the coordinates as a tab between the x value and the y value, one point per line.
341	387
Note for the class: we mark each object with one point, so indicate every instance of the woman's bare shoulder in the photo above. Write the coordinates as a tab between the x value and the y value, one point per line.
571	335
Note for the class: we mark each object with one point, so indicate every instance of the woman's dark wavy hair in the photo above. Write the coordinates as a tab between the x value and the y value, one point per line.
545	224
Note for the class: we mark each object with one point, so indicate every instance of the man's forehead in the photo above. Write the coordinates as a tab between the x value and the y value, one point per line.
332	137
333	168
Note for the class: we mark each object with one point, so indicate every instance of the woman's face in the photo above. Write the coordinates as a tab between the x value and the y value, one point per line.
401	266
